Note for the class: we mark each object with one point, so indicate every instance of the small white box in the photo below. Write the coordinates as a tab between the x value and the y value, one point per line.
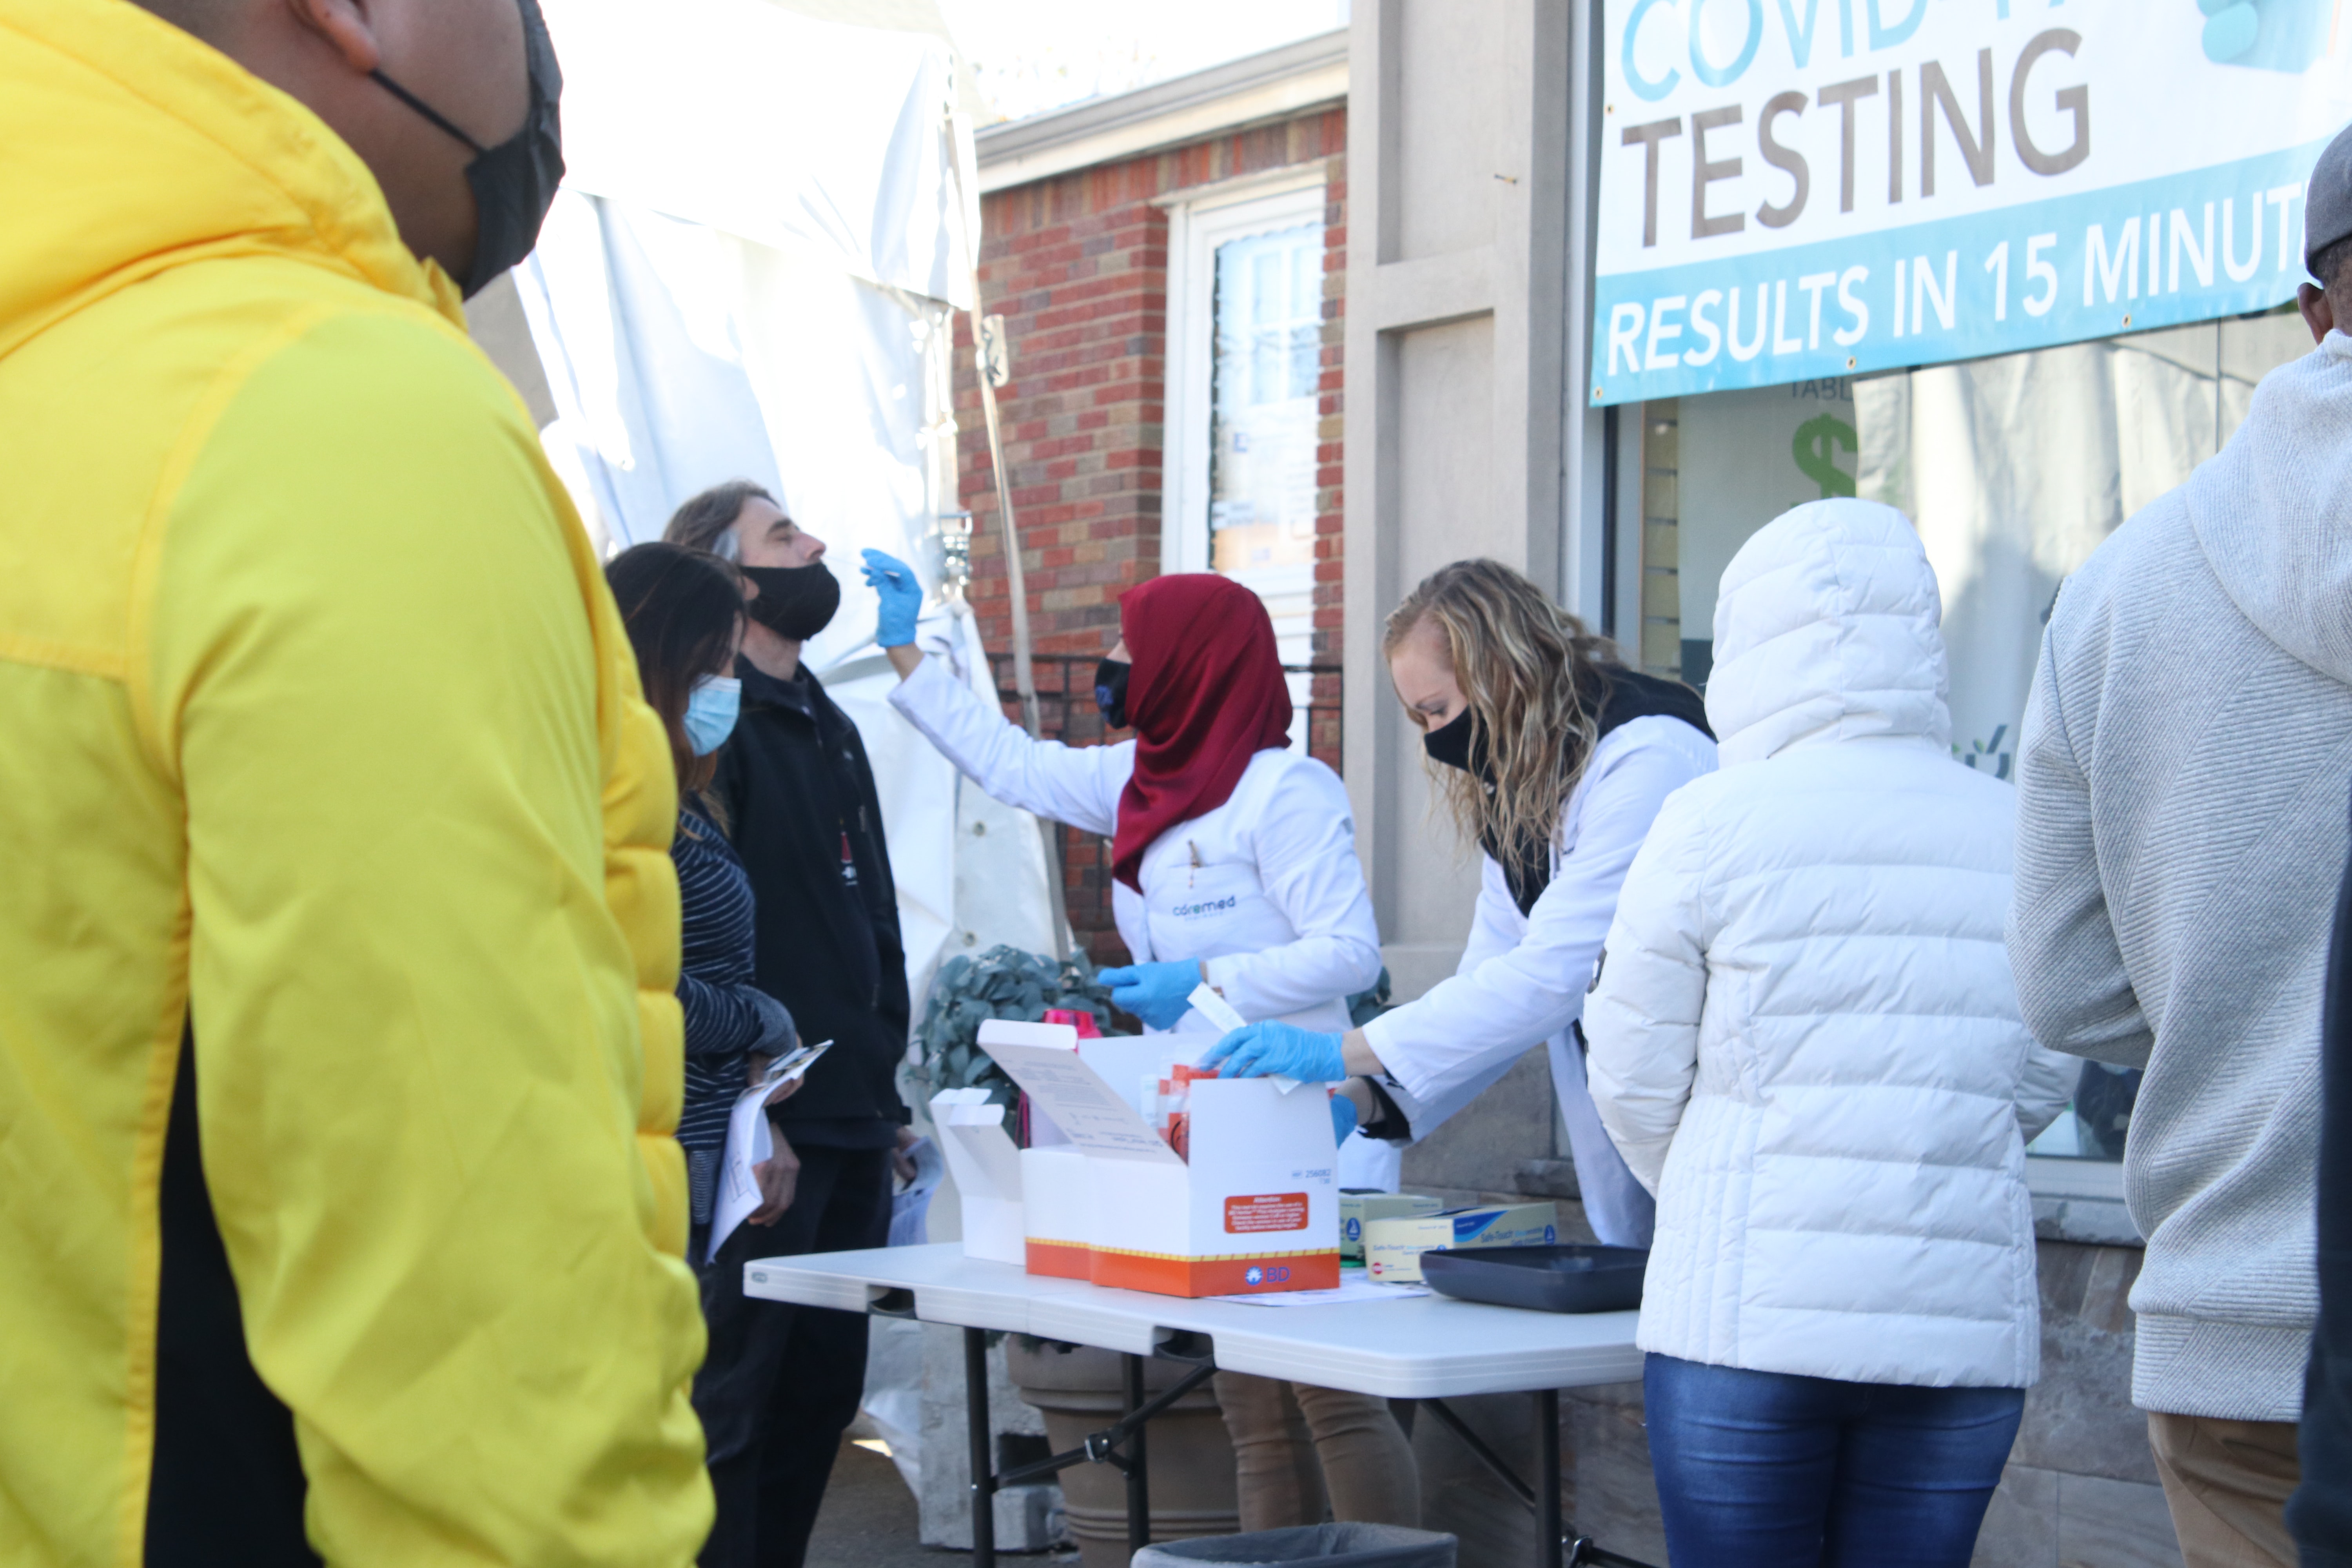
1357	1209
986	1166
1392	1247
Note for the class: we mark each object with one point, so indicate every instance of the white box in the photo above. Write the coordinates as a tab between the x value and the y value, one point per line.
1256	1209
1056	1212
1392	1247
1358	1209
986	1166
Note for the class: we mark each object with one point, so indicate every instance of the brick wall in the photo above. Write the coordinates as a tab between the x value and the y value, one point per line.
1077	266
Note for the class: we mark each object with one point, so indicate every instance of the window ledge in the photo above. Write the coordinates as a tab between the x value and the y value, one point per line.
2057	1177
2097	1222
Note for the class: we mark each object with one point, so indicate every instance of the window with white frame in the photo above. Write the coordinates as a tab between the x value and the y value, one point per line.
1245	366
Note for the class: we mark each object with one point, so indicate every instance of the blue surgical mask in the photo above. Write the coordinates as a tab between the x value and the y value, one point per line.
711	712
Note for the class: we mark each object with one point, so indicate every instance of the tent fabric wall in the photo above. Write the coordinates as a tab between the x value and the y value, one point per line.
736	282
791	132
2016	467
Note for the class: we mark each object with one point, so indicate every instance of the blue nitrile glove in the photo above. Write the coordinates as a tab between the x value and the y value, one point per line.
902	598
1343	1118
1159	994
1277	1050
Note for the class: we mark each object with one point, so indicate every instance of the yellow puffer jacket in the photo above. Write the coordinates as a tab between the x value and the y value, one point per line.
318	730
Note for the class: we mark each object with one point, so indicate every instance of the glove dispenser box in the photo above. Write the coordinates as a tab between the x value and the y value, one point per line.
1255	1209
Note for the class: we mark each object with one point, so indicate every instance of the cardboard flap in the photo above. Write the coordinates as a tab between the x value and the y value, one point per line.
1093	1115
991	1166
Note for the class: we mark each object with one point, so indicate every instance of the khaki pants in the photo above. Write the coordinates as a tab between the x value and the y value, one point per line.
2227	1483
1295	1443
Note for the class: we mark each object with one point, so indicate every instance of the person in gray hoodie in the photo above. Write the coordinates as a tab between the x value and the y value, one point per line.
2180	832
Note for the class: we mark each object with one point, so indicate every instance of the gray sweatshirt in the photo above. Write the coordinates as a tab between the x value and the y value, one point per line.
2182	828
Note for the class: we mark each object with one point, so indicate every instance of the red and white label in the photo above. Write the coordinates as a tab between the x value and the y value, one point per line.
1265	1211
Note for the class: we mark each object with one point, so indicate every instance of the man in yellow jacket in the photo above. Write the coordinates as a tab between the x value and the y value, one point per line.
338	1215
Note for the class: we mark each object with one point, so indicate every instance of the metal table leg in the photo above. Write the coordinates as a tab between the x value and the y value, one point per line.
1547	1521
1122	1445
983	1469
1138	1480
1553	1547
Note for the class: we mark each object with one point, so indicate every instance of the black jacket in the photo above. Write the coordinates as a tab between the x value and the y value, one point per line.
2320	1511
800	799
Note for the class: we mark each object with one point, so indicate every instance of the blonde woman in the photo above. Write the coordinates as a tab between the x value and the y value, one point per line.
1552	756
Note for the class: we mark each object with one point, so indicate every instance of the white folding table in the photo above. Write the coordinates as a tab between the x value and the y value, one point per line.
1428	1348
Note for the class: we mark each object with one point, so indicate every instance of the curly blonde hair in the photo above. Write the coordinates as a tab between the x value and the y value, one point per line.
1535	678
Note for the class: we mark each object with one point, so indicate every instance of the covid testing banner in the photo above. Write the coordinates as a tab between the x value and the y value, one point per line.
1798	189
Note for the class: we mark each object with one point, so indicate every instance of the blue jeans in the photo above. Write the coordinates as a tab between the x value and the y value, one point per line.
1767	1469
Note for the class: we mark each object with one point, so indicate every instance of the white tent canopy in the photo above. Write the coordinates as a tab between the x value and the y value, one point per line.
749	274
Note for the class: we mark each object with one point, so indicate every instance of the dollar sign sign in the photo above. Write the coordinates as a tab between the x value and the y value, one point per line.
1816	438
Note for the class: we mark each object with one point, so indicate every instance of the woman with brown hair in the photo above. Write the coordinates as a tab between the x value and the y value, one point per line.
1552	755
684	611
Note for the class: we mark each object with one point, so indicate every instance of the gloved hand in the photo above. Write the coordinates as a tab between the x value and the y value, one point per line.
1277	1050
1343	1118
902	597
1159	994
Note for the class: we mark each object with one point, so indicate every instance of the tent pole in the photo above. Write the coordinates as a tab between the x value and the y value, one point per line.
1025	675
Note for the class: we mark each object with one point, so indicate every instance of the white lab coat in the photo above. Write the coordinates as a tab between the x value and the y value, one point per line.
1522	978
1264	887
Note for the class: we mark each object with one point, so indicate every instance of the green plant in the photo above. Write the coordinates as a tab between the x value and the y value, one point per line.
1002	983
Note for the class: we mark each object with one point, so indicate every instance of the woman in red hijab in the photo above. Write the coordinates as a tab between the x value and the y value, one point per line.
1234	864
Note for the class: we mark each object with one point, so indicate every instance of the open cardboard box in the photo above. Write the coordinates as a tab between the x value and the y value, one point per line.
986	1166
1256	1209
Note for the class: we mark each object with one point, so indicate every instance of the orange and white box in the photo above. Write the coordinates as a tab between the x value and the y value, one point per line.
1055	1211
1256	1209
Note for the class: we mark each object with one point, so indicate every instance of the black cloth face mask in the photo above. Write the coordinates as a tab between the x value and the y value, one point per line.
795	602
514	182
1110	691
1528	870
1450	743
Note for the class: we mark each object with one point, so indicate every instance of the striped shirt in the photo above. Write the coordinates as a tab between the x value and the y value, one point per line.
725	1015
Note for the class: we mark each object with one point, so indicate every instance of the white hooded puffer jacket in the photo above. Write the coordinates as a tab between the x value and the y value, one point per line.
1803	1035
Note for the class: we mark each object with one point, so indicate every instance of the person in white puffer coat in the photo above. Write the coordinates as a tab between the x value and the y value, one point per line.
1805	1041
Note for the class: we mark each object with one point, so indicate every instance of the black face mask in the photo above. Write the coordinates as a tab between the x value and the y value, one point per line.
514	182
1450	743
1110	691
795	602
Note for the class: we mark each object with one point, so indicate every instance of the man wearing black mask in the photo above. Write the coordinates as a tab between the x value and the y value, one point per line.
340	1216
781	1383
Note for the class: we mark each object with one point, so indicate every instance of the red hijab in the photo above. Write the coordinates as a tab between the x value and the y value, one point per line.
1206	693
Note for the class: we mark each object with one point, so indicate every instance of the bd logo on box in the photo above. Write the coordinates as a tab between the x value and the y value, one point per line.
1257	1276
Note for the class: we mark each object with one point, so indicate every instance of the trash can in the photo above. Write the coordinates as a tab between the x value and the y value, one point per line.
1334	1545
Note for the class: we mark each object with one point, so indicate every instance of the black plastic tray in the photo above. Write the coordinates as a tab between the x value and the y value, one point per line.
1573	1278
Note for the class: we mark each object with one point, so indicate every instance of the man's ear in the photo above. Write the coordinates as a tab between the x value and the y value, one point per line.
2318	311
348	26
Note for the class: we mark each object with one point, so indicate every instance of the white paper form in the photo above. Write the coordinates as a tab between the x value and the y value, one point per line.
1090	1113
1349	1289
748	1144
